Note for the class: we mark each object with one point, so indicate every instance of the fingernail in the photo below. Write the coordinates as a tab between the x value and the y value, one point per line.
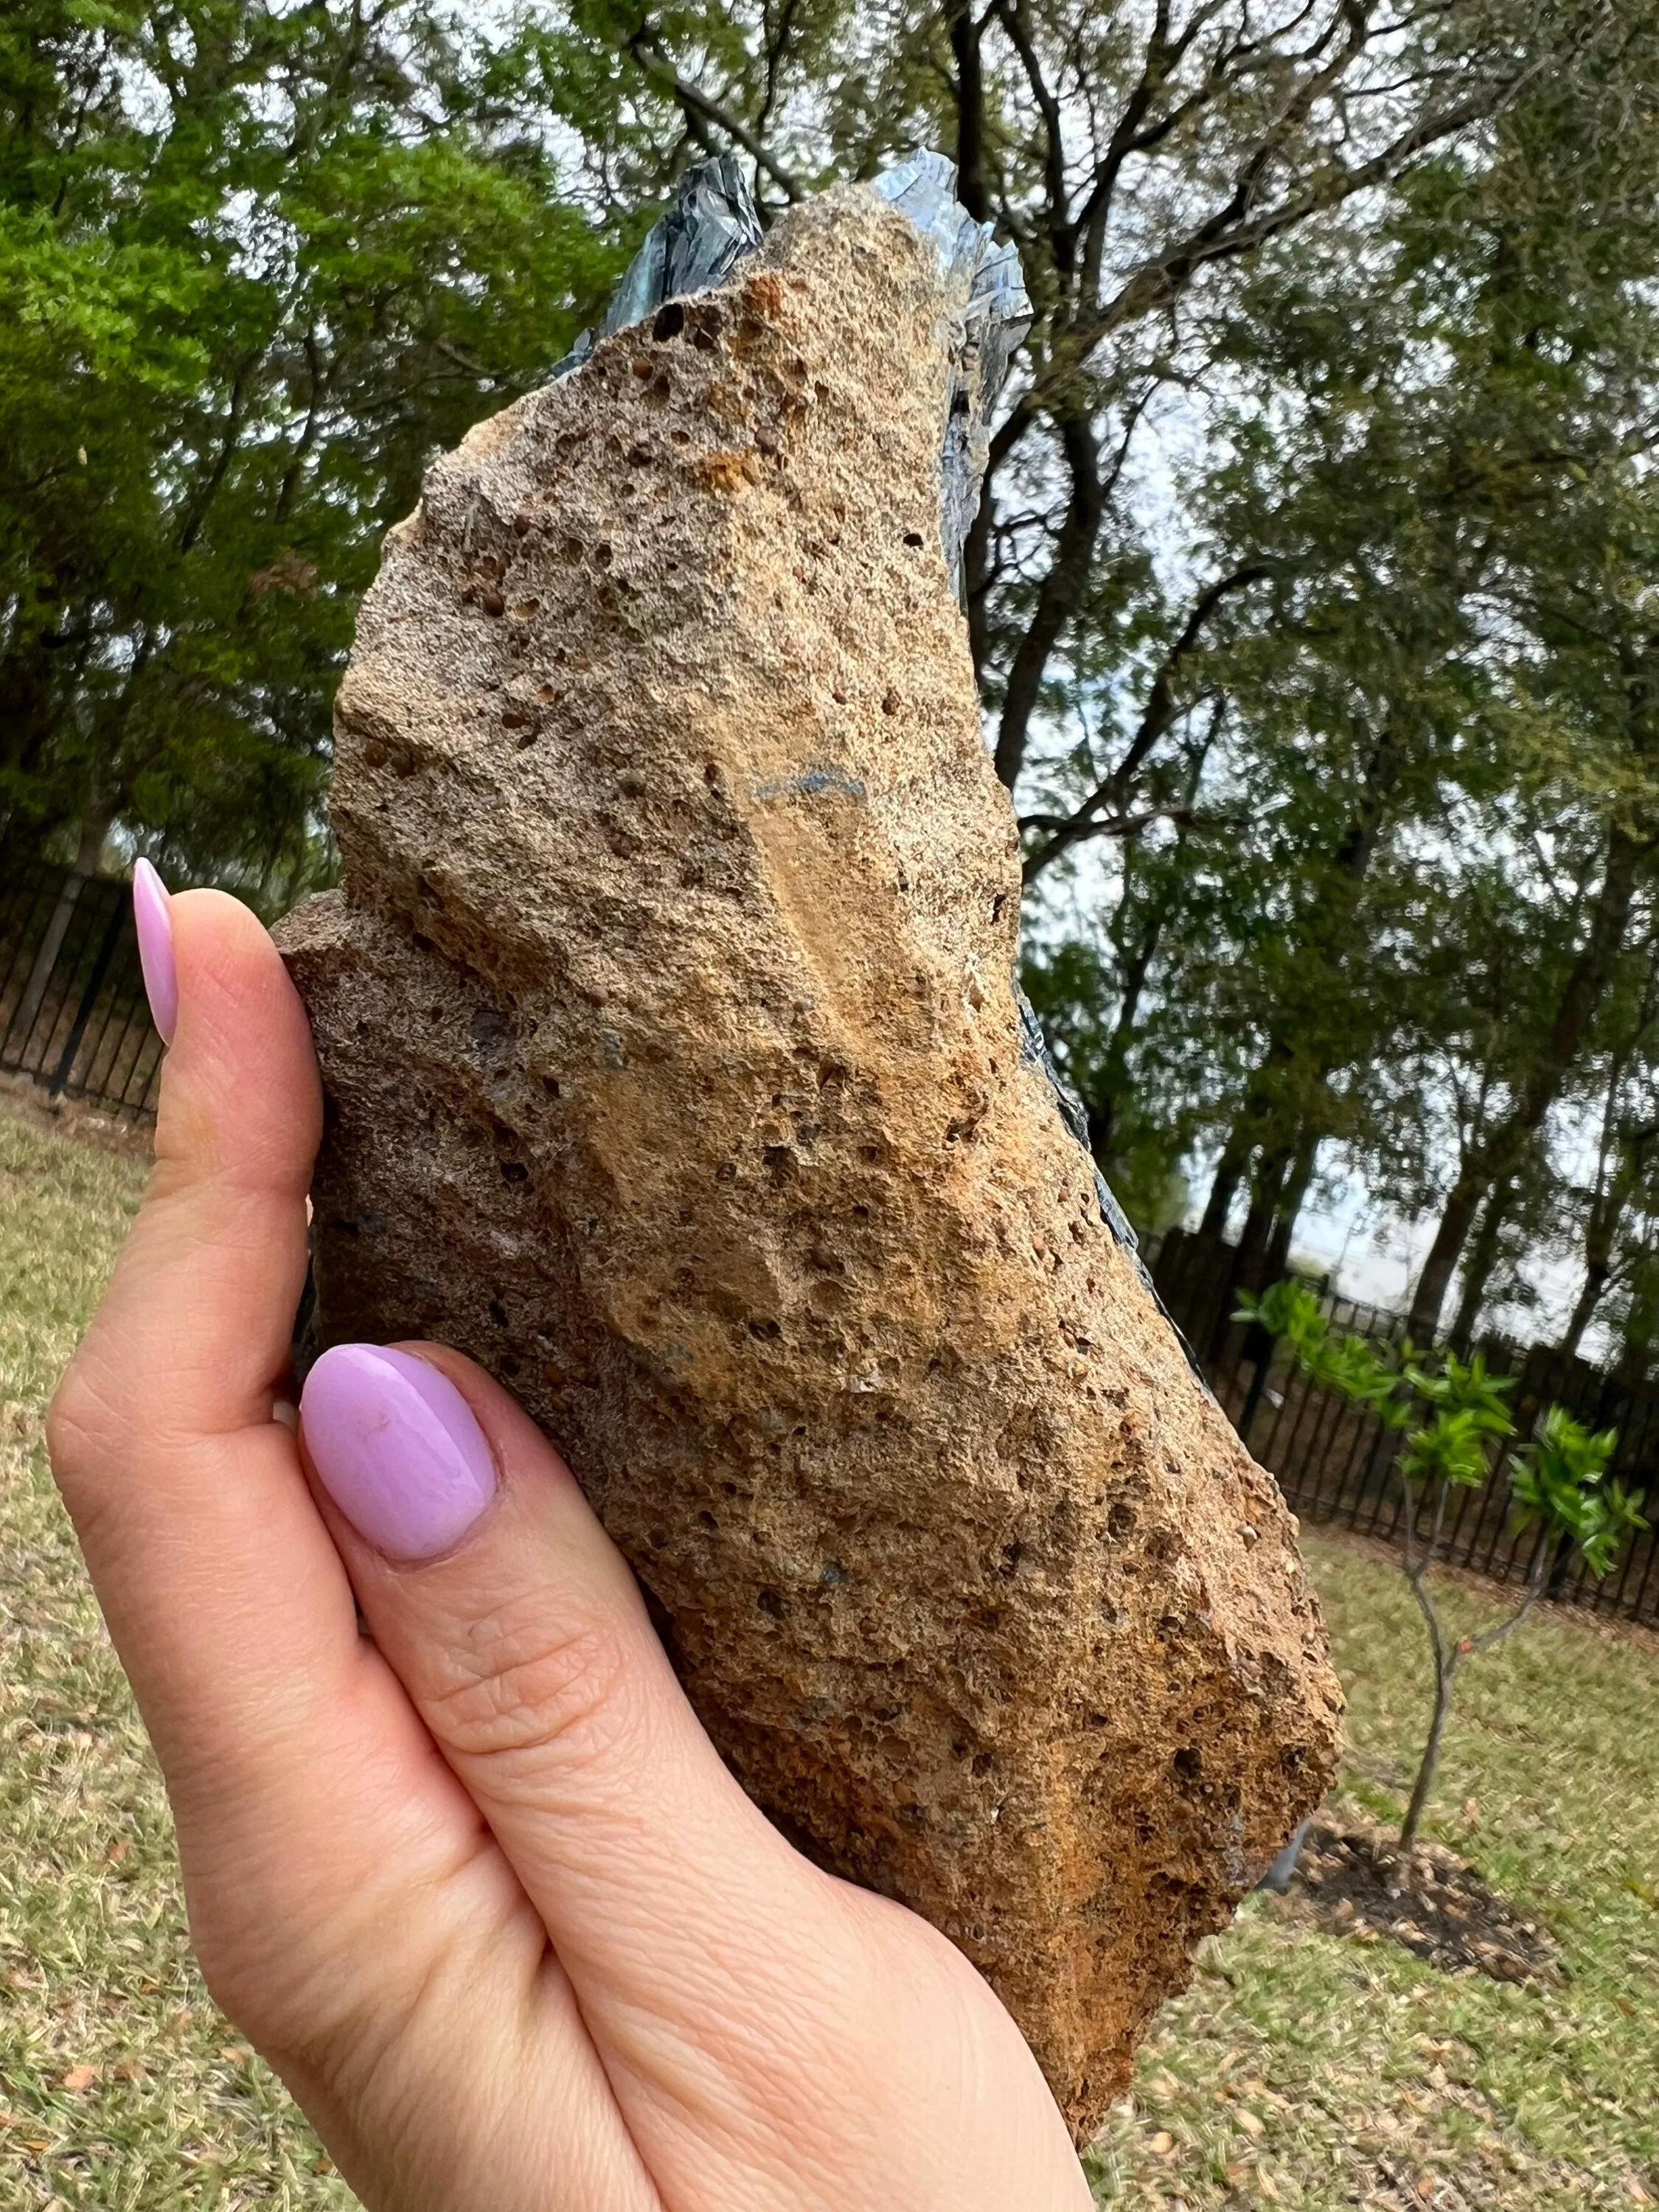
151	913
396	1449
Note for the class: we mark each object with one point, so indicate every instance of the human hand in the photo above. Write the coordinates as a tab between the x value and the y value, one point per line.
475	1882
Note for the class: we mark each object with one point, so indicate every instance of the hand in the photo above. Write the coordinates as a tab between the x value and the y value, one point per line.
475	1882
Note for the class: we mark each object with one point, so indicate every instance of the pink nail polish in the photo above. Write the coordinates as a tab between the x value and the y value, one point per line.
151	913
396	1449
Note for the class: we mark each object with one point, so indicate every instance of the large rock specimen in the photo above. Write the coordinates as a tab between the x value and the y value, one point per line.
675	1073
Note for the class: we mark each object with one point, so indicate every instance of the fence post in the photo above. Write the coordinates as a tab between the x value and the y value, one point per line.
88	998
52	944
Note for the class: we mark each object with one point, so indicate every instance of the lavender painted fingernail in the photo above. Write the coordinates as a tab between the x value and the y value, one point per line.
151	912
396	1449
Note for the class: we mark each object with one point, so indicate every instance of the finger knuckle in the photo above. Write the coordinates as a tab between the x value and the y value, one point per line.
526	1692
282	1998
84	1432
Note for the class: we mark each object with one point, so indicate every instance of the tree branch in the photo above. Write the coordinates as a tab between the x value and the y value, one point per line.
693	103
1161	709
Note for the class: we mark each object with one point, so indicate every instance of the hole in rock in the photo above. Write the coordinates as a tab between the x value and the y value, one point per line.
913	537
515	1171
670	322
498	1313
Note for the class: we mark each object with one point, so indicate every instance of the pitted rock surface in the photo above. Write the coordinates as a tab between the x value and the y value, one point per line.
674	1073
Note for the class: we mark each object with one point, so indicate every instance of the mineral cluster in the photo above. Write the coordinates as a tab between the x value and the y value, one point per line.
676	1072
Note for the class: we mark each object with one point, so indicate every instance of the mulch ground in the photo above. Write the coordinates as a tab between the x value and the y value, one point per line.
1355	1881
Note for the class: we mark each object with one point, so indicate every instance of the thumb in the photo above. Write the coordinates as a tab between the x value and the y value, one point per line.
520	1634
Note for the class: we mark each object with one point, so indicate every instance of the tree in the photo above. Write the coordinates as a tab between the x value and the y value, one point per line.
1142	159
1451	1419
1404	475
258	263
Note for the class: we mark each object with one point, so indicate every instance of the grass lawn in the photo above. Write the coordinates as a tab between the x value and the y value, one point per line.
1301	2070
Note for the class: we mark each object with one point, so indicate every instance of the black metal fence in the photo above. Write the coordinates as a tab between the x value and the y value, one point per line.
1336	1462
73	1014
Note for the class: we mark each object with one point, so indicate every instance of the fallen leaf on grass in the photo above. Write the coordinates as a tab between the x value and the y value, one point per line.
1162	2144
1252	2122
79	2078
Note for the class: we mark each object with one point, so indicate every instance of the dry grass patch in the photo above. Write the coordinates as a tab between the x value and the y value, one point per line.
1314	2071
121	2085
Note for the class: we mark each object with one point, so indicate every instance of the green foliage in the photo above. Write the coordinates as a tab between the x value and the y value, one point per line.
1560	1482
1456	1418
1465	1417
257	265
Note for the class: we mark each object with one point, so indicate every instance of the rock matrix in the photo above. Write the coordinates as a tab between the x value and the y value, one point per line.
674	1071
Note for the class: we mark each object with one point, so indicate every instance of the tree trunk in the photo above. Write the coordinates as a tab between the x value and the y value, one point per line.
1246	1272
1596	1273
1278	1259
1424	1786
1499	1155
1423	1322
1254	1239
1060	596
970	111
1483	1259
94	829
1224	1188
1101	1108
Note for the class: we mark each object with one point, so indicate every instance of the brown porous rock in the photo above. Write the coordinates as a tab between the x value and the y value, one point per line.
674	1071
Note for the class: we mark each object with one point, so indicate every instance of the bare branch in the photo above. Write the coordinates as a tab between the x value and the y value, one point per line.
695	104
1163	706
